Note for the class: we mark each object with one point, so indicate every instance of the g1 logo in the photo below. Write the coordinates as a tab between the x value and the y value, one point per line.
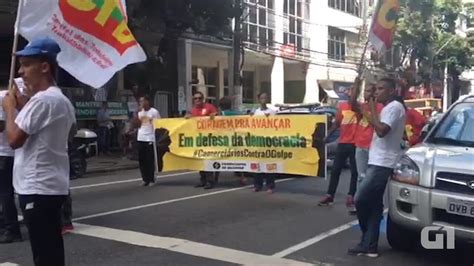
439	242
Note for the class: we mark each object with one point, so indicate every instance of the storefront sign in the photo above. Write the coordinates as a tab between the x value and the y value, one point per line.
88	110
290	144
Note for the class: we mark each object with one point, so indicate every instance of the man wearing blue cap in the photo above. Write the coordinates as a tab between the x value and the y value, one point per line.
39	133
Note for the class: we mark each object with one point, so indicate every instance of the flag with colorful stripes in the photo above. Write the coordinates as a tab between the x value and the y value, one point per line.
384	24
94	36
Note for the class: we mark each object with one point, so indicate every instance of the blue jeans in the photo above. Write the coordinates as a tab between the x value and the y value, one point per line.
362	161
369	204
103	138
343	151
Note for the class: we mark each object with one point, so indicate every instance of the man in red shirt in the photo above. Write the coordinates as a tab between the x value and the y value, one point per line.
201	108
365	132
346	120
414	125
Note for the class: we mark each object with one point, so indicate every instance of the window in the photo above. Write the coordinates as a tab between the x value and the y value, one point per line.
205	80
258	27
247	85
348	6
336	45
296	10
456	129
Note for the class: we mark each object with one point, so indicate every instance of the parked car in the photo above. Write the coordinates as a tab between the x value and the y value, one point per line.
433	184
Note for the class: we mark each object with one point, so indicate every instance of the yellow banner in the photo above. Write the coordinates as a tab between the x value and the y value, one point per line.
290	144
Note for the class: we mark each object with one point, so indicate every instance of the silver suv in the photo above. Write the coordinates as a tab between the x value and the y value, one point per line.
433	184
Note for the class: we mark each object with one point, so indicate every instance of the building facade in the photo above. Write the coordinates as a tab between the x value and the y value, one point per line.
293	49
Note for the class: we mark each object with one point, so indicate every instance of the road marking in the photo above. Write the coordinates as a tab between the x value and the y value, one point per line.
317	239
170	201
9	264
314	240
126	181
182	246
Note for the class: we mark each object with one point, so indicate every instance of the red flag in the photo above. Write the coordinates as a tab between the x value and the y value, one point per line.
383	24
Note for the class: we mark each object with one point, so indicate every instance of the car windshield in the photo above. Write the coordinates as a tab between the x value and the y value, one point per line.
457	128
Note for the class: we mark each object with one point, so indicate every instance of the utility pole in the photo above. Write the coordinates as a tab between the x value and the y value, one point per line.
236	50
446	94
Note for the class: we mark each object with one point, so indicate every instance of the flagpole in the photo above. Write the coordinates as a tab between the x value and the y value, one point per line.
15	45
360	70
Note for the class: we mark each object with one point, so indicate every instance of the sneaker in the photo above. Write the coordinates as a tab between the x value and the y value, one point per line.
270	191
350	204
146	184
360	251
8	238
199	185
326	201
67	229
256	189
370	254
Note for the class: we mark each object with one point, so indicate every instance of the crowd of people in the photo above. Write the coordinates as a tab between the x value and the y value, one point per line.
36	125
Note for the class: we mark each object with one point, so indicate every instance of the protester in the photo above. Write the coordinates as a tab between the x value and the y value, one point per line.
201	108
346	121
225	107
365	132
384	153
264	110
414	126
9	213
39	134
103	131
146	138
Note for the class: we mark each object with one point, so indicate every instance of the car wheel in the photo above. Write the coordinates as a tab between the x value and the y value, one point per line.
400	238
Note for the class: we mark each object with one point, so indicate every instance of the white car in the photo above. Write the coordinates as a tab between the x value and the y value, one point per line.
433	184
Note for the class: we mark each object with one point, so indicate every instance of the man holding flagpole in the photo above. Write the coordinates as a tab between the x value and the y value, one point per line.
39	133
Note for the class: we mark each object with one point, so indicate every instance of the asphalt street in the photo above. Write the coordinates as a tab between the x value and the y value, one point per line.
119	222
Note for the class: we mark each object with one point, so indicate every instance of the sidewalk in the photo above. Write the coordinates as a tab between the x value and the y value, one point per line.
109	163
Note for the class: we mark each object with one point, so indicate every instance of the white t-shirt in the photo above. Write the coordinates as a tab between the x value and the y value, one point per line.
386	151
260	112
42	165
5	149
145	132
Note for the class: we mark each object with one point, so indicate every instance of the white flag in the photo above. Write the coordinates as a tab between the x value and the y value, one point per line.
94	37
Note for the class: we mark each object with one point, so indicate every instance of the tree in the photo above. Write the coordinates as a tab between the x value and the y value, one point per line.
426	33
159	24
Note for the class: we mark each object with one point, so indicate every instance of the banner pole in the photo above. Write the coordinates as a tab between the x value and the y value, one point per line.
15	45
